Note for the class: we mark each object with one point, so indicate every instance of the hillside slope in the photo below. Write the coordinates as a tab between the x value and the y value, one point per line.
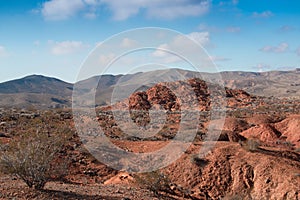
45	92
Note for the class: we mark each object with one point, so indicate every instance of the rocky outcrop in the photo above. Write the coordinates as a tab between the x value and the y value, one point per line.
191	94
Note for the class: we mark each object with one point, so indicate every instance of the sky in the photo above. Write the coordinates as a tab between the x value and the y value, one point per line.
55	37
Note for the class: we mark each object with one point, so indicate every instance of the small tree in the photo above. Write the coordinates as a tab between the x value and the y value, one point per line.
154	181
34	158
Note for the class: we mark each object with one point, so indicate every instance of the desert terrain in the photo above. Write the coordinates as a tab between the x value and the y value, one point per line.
256	156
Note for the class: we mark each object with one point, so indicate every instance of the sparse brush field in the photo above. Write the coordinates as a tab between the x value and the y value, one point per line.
256	157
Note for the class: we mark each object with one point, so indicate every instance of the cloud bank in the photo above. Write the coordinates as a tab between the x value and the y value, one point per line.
66	47
122	10
281	48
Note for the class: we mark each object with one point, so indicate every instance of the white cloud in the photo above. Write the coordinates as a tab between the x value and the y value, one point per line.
3	51
159	52
281	48
162	53
122	10
104	60
265	14
92	2
91	7
36	43
64	9
128	43
172	11
61	9
229	3
201	38
209	28
67	47
116	61
233	29
35	11
179	43
90	15
219	59
261	67
235	2
167	9
287	28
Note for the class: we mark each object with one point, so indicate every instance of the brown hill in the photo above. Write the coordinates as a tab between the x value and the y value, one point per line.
272	83
231	172
258	119
140	103
263	132
290	129
45	92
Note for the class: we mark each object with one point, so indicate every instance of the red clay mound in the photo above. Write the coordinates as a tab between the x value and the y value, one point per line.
164	94
231	172
231	129
238	98
261	119
290	129
234	124
264	132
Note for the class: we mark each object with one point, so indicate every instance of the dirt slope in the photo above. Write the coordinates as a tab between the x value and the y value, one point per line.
231	171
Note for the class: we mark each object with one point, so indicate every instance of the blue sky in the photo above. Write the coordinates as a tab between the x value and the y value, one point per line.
54	37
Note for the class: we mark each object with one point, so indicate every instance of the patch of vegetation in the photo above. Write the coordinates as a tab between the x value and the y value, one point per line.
155	181
198	161
234	197
250	145
35	158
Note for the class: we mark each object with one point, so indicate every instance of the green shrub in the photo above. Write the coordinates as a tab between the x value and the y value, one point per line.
154	181
34	158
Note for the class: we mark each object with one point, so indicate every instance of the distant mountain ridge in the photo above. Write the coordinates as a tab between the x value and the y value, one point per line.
46	92
36	84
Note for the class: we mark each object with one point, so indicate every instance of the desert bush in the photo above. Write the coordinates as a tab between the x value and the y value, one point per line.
234	197
288	144
34	158
155	181
250	145
201	162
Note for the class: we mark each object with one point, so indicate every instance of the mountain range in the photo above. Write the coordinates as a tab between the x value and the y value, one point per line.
41	92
